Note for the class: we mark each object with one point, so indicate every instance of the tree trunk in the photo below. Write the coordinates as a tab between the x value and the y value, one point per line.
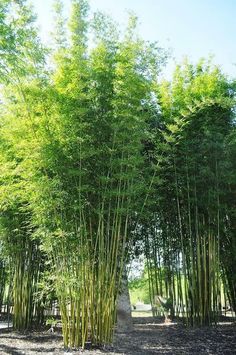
124	317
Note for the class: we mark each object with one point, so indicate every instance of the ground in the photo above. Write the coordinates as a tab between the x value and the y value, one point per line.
149	337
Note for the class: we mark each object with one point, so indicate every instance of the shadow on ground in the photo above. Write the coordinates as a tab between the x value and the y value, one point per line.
153	336
150	336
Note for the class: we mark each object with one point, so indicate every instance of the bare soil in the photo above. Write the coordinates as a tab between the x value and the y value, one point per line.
150	336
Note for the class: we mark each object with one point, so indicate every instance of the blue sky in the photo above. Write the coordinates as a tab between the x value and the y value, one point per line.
193	28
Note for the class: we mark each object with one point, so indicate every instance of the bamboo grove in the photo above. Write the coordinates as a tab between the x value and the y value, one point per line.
100	157
190	244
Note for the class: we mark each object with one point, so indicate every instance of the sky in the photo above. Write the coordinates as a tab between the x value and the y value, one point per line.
192	28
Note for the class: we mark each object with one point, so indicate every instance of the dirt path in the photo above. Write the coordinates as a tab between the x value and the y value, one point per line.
148	337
